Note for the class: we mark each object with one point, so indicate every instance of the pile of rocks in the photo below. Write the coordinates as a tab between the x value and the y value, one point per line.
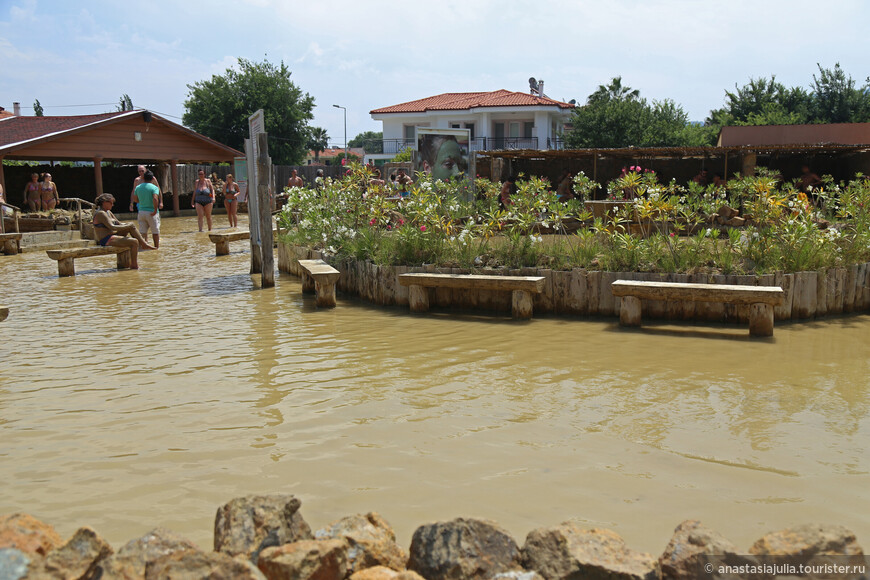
259	537
728	216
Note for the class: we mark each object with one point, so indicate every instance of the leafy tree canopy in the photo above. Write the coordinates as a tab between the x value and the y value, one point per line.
617	116
371	141
37	108
219	108
318	140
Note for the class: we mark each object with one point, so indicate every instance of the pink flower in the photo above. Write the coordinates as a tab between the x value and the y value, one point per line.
672	234
389	227
401	222
373	222
422	228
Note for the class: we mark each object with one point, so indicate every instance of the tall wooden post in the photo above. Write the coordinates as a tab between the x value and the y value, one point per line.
176	190
253	208
98	175
748	168
264	178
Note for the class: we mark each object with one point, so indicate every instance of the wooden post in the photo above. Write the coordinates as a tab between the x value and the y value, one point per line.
253	209
123	260
66	267
264	175
307	283
760	319
4	312
325	294
222	247
629	311
5	191
748	167
418	298
98	175
521	304
176	191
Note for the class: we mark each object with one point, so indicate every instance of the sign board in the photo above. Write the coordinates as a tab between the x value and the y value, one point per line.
256	125
240	171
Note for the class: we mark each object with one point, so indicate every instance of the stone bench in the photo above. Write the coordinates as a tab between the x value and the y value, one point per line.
4	313
221	240
761	299
521	287
10	243
66	258
319	278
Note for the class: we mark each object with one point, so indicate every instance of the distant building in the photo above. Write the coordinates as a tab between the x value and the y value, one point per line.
330	156
496	120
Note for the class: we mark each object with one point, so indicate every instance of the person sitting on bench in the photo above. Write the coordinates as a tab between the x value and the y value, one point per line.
108	231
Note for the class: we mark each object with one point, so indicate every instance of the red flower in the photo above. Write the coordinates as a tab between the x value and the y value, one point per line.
422	228
373	222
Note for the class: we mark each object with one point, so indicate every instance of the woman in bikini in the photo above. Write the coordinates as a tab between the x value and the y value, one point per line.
231	201
48	191
108	231
203	199
32	194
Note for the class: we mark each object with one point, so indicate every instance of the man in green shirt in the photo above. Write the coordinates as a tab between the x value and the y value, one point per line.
147	196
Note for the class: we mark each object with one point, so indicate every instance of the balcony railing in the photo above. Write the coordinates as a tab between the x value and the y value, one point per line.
394	146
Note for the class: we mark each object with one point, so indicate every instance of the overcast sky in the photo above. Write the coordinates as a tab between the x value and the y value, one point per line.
80	57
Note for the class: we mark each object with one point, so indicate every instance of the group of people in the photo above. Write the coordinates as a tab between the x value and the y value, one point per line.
41	192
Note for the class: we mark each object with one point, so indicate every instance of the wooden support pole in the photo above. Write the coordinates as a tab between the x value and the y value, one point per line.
98	175
123	262
418	298
222	247
629	311
760	319
521	304
176	190
307	283
66	267
325	294
748	165
264	173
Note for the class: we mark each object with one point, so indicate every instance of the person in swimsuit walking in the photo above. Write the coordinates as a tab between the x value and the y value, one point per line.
32	194
48	190
108	231
203	199
231	201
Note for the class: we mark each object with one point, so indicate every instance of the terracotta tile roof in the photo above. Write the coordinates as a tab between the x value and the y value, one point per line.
16	129
465	101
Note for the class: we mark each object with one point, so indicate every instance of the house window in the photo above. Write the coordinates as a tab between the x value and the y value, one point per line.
455	126
470	127
527	129
410	131
513	129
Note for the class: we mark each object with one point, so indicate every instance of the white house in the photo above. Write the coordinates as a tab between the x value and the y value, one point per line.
498	120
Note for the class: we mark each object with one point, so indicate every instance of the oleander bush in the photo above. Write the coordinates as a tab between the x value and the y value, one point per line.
662	227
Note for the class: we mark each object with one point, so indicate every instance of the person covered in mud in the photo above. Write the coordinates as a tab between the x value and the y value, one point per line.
48	193
564	187
403	180
109	231
31	193
442	157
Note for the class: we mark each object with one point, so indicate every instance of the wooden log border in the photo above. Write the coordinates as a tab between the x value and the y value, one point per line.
580	292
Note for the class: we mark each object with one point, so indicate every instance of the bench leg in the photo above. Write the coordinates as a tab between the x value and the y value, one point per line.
418	298
222	248
760	320
124	260
10	247
325	295
521	304
307	283
629	311
66	267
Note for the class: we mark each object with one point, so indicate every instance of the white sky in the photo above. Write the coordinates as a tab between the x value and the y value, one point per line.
374	53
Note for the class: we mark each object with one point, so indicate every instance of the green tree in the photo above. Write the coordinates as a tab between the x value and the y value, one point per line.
371	141
763	102
219	108
37	108
125	103
317	141
836	100
617	116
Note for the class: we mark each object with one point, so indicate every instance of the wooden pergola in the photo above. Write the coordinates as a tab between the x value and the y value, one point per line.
128	136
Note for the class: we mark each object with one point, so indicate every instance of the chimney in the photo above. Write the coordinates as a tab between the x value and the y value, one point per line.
16	109
541	88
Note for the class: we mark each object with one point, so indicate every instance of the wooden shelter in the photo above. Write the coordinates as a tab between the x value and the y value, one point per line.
129	136
681	163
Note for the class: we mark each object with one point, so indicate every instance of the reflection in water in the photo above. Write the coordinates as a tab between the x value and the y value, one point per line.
135	399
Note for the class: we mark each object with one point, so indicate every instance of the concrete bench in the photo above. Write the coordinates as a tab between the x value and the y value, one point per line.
221	240
319	278
66	258
521	287
10	243
761	299
4	313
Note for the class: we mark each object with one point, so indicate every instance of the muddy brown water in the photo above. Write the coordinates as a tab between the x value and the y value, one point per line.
136	399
